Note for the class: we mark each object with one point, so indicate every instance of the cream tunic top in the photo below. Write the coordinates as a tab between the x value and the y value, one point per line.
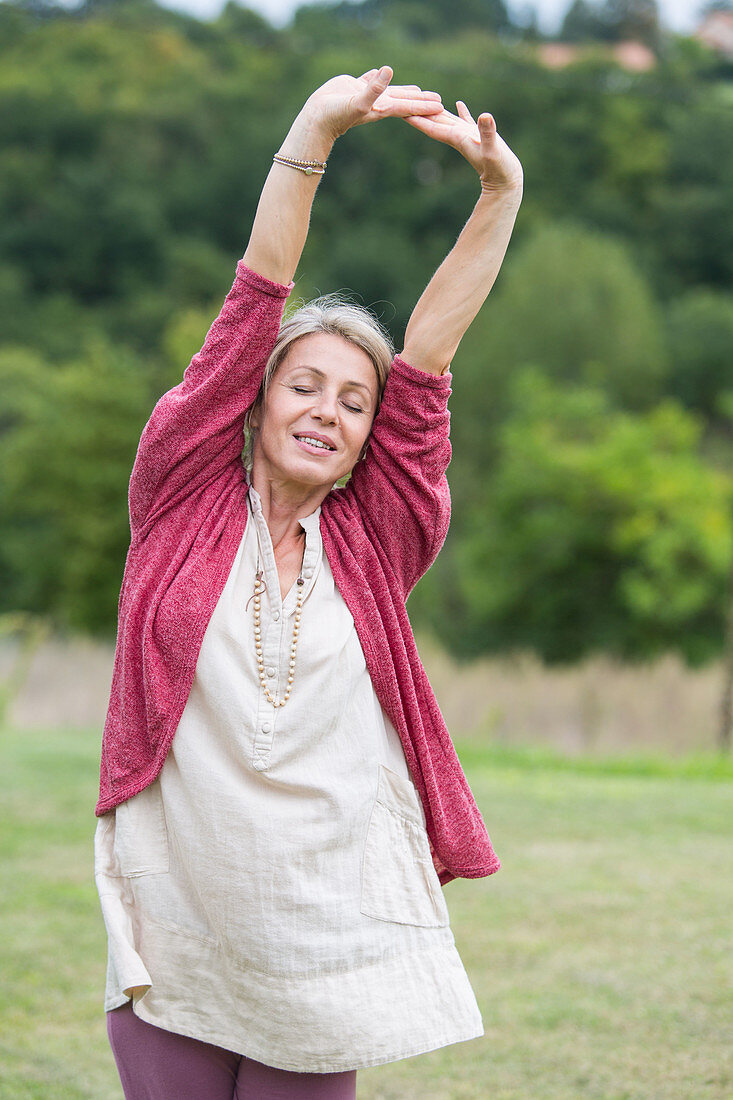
273	891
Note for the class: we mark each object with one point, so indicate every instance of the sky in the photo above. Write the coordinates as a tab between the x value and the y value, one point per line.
678	15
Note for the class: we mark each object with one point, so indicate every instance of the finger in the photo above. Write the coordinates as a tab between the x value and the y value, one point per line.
402	111
441	118
486	126
379	82
400	106
375	86
433	129
420	122
430	126
468	120
409	89
406	91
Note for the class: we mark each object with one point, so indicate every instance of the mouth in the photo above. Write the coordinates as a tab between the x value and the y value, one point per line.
314	445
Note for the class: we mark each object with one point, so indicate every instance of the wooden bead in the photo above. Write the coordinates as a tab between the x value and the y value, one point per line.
259	587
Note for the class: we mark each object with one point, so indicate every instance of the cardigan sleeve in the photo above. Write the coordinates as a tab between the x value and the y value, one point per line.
195	429
400	488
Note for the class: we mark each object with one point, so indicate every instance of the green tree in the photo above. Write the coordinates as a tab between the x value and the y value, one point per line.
67	445
600	530
582	23
691	231
416	19
632	19
700	338
572	301
576	302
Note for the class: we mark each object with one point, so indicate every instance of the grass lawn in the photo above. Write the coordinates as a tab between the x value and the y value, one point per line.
600	954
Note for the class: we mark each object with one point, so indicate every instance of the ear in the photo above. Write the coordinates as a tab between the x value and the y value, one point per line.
254	420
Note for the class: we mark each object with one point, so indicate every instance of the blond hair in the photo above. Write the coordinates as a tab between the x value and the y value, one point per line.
335	316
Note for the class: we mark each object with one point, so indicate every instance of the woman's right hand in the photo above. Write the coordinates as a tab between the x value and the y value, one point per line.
498	167
347	101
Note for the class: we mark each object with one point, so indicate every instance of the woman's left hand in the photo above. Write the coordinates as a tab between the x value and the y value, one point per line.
498	167
347	101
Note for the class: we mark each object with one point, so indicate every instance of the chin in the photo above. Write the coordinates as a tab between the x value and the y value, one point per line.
306	474
301	469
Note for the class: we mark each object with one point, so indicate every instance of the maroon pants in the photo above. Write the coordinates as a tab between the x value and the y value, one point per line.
159	1065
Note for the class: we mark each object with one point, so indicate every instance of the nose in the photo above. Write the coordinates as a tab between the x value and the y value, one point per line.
326	407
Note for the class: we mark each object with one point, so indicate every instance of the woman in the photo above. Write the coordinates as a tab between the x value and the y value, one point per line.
271	877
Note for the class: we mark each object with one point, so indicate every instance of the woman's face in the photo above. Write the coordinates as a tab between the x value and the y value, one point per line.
317	414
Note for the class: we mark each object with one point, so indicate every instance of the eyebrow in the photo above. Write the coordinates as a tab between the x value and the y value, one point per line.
322	374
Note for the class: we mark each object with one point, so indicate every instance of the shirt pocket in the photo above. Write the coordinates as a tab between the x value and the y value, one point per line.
141	834
398	881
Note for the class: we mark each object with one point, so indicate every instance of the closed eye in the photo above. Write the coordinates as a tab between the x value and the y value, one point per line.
351	408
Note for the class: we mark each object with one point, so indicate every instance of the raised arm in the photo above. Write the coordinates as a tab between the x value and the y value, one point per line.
281	223
461	284
400	489
194	435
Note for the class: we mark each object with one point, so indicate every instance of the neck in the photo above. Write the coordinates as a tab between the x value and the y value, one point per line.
283	503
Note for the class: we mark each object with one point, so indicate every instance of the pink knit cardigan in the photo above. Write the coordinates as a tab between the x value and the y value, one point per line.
381	532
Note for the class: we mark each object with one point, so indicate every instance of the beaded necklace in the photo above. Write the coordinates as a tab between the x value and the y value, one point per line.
259	588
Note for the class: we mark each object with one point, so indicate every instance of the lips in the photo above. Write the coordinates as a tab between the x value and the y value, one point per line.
315	443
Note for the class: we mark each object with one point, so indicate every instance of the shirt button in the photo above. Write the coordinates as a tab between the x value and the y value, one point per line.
266	727
307	573
271	672
276	615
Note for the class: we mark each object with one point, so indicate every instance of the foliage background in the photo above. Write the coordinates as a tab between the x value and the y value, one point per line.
592	401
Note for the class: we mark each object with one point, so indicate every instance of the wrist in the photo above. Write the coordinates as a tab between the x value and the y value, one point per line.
509	194
308	138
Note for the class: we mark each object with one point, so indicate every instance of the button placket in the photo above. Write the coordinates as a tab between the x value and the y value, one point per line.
276	614
311	558
266	712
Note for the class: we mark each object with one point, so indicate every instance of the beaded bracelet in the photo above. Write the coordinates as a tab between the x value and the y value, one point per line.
310	167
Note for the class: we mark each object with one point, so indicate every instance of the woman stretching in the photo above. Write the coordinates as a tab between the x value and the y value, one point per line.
270	876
